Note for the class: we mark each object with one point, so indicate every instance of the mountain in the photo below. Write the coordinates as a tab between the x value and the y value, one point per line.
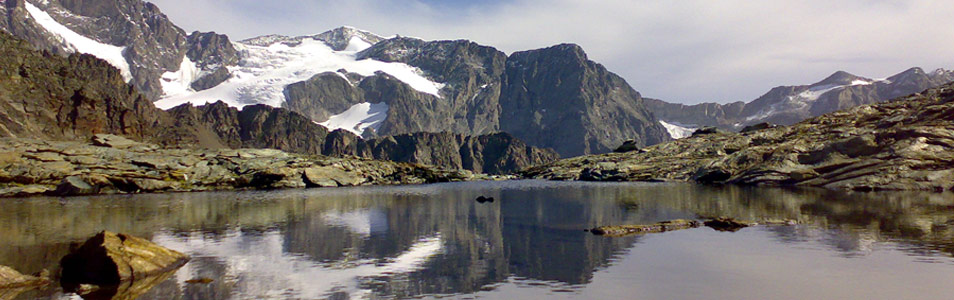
351	79
134	36
787	105
49	97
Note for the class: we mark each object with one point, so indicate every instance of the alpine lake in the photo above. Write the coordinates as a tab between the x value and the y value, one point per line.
436	241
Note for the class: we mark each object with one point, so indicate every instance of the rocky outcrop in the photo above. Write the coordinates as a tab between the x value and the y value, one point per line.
904	144
110	258
32	167
791	104
498	153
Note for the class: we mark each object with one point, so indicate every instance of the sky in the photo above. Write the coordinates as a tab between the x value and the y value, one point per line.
686	51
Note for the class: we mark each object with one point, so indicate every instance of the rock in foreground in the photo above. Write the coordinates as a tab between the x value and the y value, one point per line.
110	258
905	144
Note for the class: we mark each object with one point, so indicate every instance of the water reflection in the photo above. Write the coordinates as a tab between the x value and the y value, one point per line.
401	242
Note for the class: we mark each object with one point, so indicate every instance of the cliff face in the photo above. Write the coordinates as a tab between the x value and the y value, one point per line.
47	96
498	153
556	97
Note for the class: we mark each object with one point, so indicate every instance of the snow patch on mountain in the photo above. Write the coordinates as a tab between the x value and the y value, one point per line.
358	118
678	131
179	82
805	98
264	71
76	42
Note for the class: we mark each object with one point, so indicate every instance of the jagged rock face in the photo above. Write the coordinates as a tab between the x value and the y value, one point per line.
471	74
322	96
212	52
791	104
153	44
556	97
50	97
498	153
339	38
256	126
904	144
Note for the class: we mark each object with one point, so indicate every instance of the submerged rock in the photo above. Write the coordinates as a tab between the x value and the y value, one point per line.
624	230
109	258
727	224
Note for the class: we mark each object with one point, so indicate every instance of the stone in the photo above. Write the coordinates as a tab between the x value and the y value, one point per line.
113	141
75	186
44	156
627	146
109	258
706	130
727	224
757	127
323	176
626	230
10	278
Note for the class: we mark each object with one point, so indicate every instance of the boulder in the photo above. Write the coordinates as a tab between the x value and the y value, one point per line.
627	146
706	130
330	177
625	230
74	186
113	141
757	127
109	258
10	278
727	224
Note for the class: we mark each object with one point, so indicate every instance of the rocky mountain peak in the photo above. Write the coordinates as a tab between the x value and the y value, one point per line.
340	38
841	78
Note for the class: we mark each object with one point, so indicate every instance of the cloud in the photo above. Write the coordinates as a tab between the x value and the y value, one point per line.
682	50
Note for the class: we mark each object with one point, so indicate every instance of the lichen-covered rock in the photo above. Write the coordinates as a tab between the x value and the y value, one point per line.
109	258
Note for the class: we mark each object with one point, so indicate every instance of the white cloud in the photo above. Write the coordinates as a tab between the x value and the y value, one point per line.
681	51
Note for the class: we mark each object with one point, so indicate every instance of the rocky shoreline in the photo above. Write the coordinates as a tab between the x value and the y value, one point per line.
112	164
904	144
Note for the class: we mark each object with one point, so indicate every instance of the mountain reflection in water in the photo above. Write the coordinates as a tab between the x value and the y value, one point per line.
413	241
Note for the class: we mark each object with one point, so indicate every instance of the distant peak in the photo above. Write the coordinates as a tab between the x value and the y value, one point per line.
841	78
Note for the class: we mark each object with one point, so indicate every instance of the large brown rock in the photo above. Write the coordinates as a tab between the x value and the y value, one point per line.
110	258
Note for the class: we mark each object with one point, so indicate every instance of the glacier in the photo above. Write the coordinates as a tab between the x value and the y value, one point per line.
264	71
358	118
678	131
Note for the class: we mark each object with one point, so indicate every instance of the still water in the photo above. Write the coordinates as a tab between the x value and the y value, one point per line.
435	241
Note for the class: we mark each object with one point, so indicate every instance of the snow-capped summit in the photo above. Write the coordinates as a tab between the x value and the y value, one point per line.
268	64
